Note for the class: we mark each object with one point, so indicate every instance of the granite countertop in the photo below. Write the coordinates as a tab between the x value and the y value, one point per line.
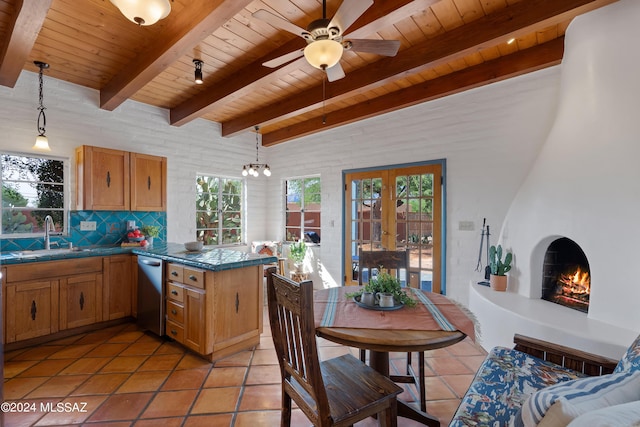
215	259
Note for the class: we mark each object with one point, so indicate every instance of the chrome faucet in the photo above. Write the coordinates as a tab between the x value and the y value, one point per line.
49	230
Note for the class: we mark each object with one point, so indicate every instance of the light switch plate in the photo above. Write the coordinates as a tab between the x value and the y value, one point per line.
131	225
466	226
87	226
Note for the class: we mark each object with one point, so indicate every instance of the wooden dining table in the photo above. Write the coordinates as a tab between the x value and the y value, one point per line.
409	329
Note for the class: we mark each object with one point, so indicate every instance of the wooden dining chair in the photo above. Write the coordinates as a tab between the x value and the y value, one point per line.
334	392
394	260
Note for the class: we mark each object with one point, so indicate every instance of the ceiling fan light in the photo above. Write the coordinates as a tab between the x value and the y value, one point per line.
323	54
143	12
42	143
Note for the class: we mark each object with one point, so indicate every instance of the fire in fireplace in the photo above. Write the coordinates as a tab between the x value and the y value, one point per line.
565	277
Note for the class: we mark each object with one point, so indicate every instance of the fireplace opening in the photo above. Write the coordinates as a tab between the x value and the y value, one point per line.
566	276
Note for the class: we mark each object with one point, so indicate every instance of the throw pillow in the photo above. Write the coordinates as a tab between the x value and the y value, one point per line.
631	359
623	415
565	401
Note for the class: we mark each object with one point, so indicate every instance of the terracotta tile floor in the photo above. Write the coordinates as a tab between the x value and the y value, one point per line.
122	377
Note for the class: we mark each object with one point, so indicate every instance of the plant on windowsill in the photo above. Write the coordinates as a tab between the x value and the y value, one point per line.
499	268
385	283
297	252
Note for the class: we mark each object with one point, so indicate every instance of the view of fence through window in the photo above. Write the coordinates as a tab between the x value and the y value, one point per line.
32	188
219	210
303	208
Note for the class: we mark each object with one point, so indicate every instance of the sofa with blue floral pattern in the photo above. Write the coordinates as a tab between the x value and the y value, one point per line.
508	377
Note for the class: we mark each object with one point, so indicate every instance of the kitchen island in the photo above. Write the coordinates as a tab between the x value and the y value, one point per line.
214	297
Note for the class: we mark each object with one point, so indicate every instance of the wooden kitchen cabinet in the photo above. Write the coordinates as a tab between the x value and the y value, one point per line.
149	181
102	179
43	298
109	179
32	310
80	300
118	289
185	309
217	313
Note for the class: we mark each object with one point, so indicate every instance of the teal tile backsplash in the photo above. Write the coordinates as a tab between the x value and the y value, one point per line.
111	228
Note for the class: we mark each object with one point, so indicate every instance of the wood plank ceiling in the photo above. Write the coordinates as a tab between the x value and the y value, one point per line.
446	46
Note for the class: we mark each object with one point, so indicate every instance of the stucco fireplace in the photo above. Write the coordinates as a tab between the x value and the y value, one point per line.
581	190
565	275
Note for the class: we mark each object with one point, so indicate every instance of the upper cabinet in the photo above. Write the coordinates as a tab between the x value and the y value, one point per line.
148	188
109	179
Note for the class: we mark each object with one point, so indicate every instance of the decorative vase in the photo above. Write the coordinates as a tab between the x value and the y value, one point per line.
150	240
498	283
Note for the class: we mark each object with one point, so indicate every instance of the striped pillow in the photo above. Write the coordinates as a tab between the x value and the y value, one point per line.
558	404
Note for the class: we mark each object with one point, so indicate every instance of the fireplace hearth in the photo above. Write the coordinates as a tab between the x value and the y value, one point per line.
566	277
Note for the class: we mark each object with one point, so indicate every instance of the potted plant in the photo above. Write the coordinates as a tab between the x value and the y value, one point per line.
385	283
499	268
297	252
150	231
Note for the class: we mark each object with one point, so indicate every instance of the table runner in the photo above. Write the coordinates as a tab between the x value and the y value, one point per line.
433	312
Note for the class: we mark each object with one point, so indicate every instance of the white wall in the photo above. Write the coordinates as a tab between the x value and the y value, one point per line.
489	137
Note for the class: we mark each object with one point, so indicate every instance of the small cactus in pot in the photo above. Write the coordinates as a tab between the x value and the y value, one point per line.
499	267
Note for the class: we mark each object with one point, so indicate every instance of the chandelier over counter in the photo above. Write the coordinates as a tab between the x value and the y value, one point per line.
143	12
253	169
42	142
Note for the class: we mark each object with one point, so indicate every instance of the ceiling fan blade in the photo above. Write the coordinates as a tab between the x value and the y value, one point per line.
278	22
335	73
380	47
287	57
348	12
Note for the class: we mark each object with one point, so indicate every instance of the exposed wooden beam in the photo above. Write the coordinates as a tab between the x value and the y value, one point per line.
381	14
195	23
513	21
20	37
526	61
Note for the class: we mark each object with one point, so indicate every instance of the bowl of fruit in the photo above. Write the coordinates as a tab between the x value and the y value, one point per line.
135	236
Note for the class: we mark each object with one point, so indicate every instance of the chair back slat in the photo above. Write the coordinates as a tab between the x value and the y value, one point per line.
389	260
293	331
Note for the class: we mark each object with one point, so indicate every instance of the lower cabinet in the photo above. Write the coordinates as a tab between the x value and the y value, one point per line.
117	295
214	313
80	300
31	310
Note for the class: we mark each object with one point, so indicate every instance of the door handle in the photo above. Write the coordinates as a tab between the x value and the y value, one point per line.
150	263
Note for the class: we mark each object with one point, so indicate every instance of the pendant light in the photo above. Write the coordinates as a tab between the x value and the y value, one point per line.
143	12
253	169
42	142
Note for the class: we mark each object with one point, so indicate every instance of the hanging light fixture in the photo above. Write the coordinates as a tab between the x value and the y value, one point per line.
143	12
42	142
253	169
198	73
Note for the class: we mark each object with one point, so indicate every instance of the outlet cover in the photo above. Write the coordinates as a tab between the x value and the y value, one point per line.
87	226
466	226
131	225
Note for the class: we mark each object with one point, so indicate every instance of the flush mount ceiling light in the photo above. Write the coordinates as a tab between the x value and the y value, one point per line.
42	142
198	73
143	12
253	169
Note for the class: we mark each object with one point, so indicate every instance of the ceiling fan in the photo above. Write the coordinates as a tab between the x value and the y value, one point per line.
325	38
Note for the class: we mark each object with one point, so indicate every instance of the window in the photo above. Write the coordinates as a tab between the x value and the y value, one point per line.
303	207
32	188
219	210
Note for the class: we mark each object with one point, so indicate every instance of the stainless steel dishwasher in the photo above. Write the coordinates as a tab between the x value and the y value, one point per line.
151	294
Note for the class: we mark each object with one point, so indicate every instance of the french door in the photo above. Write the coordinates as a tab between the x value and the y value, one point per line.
396	209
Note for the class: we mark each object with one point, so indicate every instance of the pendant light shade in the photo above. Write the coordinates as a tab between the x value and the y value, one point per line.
323	54
42	142
143	12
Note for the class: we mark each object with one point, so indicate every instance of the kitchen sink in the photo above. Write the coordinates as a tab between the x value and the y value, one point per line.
46	252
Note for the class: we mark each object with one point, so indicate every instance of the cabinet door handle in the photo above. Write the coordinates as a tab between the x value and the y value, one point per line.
34	310
81	301
174	312
174	273
174	292
193	278
174	332
108	179
148	183
237	302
